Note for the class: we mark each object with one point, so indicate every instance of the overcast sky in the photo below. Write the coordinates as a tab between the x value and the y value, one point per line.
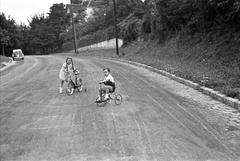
22	10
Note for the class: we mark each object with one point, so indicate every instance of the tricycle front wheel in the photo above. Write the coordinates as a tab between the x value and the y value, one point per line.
118	99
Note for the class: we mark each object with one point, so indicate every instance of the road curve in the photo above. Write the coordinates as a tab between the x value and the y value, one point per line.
159	119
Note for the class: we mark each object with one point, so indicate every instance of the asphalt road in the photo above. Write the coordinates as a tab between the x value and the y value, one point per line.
159	119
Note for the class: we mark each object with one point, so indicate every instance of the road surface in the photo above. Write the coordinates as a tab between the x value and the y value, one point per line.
158	120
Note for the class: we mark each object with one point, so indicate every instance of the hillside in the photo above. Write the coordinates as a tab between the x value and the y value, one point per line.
196	63
201	63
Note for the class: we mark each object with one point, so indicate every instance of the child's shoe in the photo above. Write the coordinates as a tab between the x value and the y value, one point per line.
81	89
98	100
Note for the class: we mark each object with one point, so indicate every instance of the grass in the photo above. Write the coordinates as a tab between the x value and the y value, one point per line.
3	59
199	63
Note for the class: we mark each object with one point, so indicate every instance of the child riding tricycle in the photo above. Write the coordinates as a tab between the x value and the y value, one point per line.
106	88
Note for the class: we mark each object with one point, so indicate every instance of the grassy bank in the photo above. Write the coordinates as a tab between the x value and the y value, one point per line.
200	63
3	59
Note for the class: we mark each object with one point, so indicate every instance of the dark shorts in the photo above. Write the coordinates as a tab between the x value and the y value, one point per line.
112	88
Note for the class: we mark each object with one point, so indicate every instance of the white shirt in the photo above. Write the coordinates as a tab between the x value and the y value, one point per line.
109	78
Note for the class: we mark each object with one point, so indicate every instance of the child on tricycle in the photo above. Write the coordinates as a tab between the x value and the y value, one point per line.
106	87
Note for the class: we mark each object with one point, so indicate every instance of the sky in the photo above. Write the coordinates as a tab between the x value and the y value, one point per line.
22	10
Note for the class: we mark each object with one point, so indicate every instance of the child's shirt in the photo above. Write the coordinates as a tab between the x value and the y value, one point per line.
109	80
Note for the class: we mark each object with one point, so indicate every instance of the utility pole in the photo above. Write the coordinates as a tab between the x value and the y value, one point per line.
115	24
73	28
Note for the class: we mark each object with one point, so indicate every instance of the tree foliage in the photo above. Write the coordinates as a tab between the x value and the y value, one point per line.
41	36
8	33
136	19
165	18
57	22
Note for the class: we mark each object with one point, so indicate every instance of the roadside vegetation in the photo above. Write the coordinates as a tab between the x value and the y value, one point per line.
196	39
3	60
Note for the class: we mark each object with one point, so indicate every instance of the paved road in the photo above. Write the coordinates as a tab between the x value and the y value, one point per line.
159	119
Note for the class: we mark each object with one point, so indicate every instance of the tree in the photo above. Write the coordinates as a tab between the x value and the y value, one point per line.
23	37
57	22
36	25
5	39
43	39
8	34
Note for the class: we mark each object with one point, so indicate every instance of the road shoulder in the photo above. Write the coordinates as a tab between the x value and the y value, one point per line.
207	91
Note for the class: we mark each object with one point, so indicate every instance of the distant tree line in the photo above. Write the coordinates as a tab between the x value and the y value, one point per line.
190	20
41	36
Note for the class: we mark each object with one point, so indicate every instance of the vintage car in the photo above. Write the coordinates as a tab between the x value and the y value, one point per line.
17	54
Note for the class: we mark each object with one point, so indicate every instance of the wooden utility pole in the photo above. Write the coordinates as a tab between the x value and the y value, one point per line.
74	31
115	24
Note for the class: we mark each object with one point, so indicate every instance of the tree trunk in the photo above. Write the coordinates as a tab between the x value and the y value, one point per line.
3	51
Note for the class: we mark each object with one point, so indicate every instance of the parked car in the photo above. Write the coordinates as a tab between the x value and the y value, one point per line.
17	54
